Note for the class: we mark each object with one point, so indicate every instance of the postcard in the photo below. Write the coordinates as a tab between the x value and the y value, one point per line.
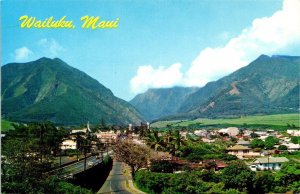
149	96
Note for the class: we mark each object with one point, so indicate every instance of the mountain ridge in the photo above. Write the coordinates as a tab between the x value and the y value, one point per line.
50	89
267	85
155	103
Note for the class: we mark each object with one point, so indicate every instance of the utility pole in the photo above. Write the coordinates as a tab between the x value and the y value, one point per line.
60	156
85	158
268	161
106	148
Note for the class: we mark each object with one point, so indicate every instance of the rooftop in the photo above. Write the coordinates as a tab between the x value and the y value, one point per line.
271	160
238	147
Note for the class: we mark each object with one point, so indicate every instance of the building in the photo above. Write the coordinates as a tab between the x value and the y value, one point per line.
268	163
68	144
293	132
109	136
84	130
242	152
216	164
291	147
231	131
243	143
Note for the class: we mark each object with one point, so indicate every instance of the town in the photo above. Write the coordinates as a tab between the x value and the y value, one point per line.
229	160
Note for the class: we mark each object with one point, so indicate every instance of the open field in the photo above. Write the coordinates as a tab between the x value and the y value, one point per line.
6	125
276	121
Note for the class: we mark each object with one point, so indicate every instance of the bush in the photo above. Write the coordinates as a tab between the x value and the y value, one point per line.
238	176
162	166
282	147
263	182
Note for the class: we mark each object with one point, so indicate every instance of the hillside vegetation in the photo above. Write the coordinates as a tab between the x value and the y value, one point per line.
273	121
268	85
50	89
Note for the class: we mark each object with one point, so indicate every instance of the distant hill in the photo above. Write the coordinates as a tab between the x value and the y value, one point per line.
156	103
50	89
262	87
267	85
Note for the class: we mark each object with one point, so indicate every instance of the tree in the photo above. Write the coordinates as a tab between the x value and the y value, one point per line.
282	147
79	140
237	175
154	141
257	143
254	135
173	141
288	174
263	182
295	140
27	152
134	155
270	142
162	166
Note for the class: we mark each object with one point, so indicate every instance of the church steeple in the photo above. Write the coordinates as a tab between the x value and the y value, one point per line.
88	126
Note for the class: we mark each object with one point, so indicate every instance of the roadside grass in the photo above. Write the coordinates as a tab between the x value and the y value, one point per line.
277	121
6	125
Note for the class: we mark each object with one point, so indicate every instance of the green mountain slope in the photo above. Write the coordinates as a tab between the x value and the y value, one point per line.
49	89
267	85
156	103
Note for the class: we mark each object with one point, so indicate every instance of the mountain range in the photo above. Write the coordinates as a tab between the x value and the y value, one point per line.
268	85
157	103
50	89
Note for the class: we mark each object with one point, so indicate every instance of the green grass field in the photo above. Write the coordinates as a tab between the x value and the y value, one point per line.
6	125
278	120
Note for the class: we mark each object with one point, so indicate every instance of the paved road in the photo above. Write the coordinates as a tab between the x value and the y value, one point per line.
116	181
70	170
79	166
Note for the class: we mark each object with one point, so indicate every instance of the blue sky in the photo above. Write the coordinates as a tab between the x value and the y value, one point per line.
157	43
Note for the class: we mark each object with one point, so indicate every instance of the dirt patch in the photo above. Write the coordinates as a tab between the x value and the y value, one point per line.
234	90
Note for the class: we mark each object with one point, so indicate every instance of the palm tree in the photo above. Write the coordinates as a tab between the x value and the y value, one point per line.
168	136
174	142
79	142
154	141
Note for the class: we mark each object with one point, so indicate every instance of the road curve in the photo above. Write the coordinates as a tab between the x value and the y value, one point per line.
116	181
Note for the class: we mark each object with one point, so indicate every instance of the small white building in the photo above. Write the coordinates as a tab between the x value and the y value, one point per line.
202	133
108	136
291	147
83	130
293	132
68	144
231	131
268	163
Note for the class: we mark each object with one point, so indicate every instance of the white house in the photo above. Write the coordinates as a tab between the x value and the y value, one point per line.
242	152
293	132
291	147
268	163
68	144
231	131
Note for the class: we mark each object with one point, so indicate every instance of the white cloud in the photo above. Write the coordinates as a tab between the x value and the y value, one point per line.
22	54
51	47
266	35
148	77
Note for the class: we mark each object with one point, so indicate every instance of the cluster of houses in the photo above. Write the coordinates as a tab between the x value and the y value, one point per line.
103	136
262	159
71	143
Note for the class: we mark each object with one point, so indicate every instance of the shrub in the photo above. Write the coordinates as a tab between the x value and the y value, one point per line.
162	166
